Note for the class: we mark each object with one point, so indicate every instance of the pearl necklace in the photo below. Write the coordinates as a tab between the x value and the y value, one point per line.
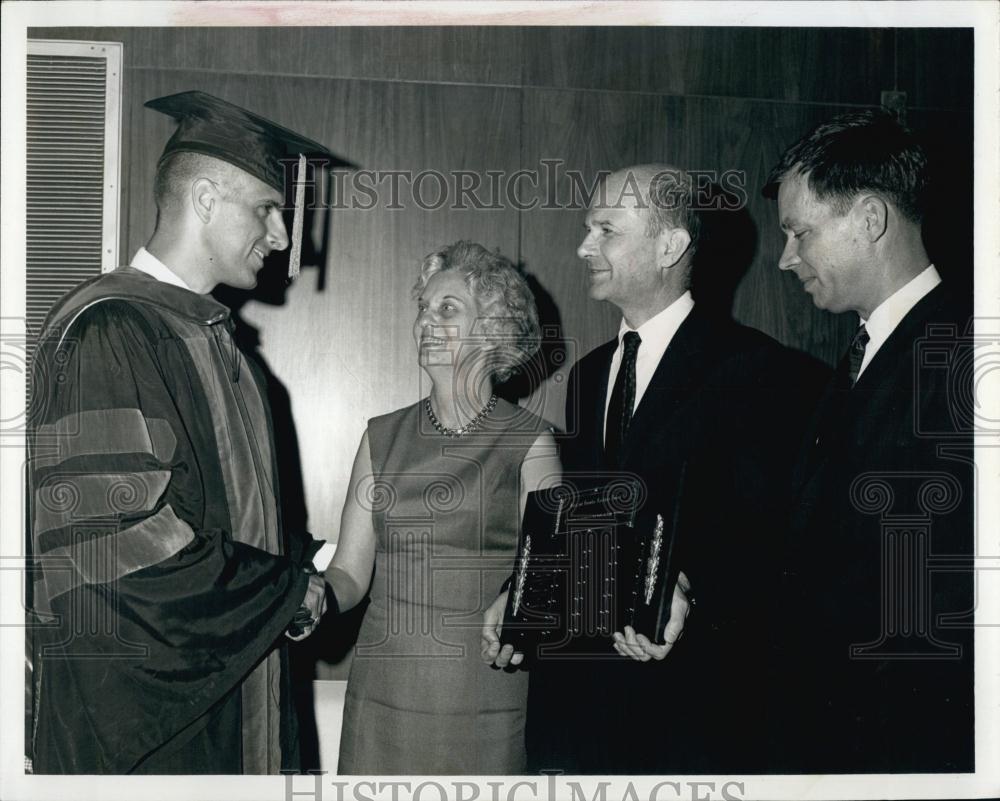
469	427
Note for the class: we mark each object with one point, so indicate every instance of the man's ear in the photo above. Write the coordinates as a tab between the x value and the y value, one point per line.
872	215
204	198
674	244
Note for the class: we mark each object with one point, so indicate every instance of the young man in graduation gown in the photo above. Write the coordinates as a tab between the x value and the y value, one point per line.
874	668
165	584
706	413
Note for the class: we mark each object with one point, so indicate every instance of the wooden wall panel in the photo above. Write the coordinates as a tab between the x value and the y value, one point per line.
503	99
616	59
749	137
935	67
342	342
948	227
372	260
405	121
463	54
346	353
586	132
744	139
768	298
339	339
440	54
612	130
831	65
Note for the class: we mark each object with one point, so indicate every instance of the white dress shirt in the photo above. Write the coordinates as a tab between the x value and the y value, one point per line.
655	334
146	262
890	312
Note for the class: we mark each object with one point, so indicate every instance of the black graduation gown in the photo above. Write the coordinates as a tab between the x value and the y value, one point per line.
155	525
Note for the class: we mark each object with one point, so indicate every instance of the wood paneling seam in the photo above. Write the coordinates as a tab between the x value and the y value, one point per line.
543	88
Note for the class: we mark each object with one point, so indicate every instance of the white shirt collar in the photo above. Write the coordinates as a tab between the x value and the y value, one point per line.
659	329
655	335
146	262
891	311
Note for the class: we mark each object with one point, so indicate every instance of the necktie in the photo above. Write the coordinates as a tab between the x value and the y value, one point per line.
622	399
857	352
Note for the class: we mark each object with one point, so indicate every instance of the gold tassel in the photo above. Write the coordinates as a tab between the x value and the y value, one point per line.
300	194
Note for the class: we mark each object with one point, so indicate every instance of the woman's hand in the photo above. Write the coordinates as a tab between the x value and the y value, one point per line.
312	609
492	652
350	570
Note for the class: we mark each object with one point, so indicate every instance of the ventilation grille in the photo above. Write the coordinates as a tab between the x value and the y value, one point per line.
67	119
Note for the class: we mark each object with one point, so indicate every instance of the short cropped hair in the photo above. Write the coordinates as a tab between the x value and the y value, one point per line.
177	171
505	303
671	205
857	152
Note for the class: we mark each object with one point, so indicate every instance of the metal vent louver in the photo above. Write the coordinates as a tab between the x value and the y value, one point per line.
73	118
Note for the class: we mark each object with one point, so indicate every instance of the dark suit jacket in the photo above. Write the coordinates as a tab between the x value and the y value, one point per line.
874	677
731	404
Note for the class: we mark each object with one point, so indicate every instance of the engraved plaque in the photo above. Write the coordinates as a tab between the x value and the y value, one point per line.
590	561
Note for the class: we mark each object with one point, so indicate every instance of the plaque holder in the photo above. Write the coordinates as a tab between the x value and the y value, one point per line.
590	561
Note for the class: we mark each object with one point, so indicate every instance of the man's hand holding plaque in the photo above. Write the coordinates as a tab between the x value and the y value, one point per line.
631	644
638	646
595	559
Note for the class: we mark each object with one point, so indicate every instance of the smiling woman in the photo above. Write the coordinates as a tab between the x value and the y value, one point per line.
429	530
469	280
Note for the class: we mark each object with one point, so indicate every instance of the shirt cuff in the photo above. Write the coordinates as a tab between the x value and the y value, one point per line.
321	560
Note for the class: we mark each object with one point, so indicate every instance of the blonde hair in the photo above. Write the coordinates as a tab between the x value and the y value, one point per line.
506	305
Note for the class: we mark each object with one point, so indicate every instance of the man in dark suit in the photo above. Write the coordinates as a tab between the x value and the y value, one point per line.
873	642
680	398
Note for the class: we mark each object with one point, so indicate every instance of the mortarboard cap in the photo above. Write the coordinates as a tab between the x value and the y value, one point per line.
214	127
217	128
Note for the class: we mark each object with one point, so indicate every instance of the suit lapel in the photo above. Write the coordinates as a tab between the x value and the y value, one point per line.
670	387
593	393
826	419
900	343
843	407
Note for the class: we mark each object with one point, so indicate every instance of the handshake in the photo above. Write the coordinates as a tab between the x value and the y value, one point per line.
319	599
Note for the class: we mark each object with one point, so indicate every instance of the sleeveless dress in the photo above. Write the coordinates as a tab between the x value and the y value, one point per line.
419	699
